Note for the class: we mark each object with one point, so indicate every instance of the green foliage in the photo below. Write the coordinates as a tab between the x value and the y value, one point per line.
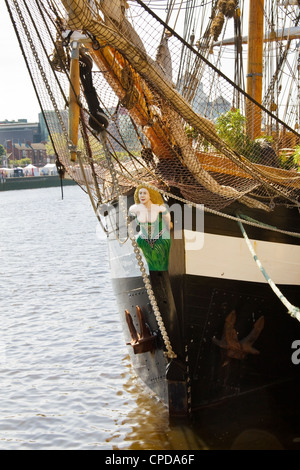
2	155
2	151
190	132
296	157
231	127
23	162
59	143
193	134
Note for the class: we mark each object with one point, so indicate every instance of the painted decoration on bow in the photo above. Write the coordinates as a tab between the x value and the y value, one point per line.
154	221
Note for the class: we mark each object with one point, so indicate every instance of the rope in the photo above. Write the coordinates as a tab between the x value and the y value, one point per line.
292	310
247	221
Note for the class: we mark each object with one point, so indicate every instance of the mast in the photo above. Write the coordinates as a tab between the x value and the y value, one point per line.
255	66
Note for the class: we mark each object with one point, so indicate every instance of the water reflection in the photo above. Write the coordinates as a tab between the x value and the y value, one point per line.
148	424
239	425
256	439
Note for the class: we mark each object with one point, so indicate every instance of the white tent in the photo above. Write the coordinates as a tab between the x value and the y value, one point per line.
49	169
31	170
6	172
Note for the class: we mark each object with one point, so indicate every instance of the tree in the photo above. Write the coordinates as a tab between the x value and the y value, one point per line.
296	158
23	162
231	127
2	154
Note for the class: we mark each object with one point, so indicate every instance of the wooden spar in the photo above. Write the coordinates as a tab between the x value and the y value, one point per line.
279	35
255	66
74	109
219	164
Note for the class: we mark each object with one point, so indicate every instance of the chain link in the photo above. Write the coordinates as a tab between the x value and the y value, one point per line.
170	353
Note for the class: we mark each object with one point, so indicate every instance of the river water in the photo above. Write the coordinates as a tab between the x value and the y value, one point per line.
66	379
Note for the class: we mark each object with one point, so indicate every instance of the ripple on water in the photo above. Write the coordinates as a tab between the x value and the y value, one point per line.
61	345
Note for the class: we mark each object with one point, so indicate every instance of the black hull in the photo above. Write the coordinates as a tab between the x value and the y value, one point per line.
194	308
207	302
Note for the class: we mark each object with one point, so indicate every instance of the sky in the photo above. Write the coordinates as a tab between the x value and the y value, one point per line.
17	96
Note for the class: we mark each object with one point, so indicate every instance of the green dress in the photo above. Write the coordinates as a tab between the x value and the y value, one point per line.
155	242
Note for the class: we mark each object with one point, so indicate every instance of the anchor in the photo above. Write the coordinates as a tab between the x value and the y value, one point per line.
145	340
235	348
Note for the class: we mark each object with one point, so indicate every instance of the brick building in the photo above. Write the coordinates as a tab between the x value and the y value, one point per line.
24	140
36	152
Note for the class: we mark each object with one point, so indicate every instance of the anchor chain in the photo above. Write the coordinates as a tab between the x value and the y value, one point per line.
170	353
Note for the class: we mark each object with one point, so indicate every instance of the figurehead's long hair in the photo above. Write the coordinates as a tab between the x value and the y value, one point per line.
155	196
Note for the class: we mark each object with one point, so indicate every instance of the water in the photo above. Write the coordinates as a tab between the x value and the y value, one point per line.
66	379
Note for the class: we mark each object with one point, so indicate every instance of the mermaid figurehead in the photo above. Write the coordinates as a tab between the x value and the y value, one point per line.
155	196
154	220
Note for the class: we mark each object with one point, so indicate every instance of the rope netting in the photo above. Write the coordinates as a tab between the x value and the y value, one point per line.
173	117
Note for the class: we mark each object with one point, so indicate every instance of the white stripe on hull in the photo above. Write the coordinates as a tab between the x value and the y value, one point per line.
227	257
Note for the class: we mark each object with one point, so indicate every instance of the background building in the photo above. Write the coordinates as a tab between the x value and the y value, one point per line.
19	132
22	139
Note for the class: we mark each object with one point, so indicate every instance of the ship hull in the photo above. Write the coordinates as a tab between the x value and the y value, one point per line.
231	333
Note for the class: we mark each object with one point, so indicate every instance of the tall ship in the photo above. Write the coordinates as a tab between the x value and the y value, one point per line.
183	130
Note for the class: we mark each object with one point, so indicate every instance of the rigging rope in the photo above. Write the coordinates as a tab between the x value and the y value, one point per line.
263	178
247	221
292	310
